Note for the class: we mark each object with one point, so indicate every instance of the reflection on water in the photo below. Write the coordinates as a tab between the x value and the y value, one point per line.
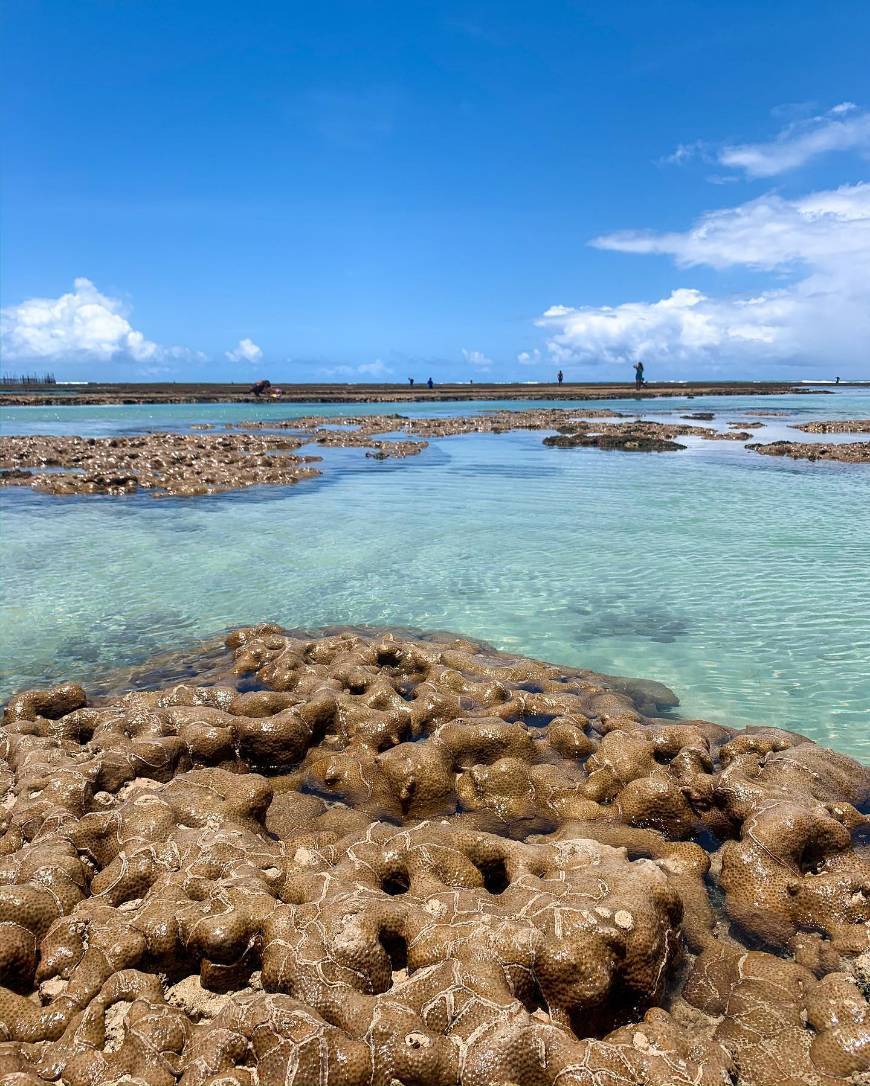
738	580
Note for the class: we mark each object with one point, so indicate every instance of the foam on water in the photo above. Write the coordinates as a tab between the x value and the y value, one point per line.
741	581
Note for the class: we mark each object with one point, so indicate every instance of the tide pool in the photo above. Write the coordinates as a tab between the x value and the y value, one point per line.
741	581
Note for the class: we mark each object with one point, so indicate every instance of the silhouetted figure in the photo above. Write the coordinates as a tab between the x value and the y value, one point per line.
430	383
837	381
560	377
260	387
411	381
638	375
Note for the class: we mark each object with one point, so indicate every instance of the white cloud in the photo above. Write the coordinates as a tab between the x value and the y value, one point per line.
529	358
245	351
769	232
685	152
843	128
365	369
81	325
818	313
477	359
374	369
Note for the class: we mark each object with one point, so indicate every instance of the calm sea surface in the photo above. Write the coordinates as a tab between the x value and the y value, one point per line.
741	581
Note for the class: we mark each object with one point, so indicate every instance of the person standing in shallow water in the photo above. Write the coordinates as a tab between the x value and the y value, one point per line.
430	383
411	381
638	375
560	377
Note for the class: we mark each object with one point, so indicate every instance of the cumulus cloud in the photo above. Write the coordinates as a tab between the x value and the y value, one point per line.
529	358
477	359
81	325
365	369
843	128
817	312
374	369
245	351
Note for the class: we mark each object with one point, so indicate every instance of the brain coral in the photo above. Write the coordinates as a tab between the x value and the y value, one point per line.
365	859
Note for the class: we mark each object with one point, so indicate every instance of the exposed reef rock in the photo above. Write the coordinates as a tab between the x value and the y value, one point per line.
836	426
636	436
847	452
370	860
173	392
627	442
193	464
165	463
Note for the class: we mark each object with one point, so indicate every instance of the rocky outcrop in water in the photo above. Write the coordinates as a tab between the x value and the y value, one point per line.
186	465
205	462
363	860
636	436
851	452
836	426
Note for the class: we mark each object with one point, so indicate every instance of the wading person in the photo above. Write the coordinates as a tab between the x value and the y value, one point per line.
560	377
430	383
638	375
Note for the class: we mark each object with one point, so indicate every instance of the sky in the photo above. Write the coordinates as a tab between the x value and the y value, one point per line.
368	191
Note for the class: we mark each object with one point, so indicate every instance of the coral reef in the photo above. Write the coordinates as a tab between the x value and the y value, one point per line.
836	426
174	392
851	452
364	859
193	464
637	436
165	463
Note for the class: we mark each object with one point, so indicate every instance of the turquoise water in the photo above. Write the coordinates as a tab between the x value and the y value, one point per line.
741	581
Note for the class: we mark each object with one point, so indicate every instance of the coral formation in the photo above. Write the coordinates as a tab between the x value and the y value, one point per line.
193	464
836	426
363	859
847	452
165	463
638	436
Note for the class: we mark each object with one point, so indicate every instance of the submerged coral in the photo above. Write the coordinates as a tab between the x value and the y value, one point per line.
369	860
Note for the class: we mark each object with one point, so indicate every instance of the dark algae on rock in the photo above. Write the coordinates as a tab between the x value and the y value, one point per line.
364	859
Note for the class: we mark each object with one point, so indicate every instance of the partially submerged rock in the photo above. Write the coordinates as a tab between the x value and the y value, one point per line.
851	452
836	426
627	442
164	463
419	861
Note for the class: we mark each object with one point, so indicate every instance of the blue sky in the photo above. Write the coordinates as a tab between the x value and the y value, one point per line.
361	191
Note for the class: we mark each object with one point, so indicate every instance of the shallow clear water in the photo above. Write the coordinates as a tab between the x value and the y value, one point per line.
741	581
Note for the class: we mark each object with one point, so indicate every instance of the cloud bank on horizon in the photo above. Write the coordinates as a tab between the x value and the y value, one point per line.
815	314
814	310
821	317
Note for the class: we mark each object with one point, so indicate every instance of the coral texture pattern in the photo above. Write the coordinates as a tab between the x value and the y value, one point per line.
372	859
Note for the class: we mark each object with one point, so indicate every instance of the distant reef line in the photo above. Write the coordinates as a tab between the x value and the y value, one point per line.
98	393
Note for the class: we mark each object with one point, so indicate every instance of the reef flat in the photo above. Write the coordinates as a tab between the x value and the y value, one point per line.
186	465
847	452
204	462
363	859
142	393
835	426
